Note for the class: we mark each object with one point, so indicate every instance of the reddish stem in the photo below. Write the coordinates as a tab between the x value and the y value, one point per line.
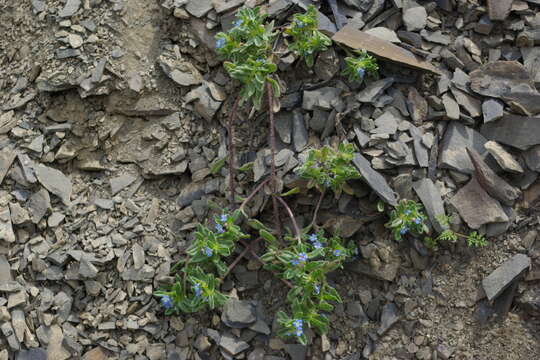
314	220
239	257
291	215
230	129
257	189
270	93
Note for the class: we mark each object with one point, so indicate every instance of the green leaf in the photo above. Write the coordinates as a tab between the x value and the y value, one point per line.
268	237
293	191
217	165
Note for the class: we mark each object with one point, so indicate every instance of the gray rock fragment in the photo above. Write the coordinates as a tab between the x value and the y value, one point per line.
502	277
389	317
532	158
6	229
199	8
55	181
456	139
121	182
492	109
415	18
70	8
518	131
324	98
451	107
431	198
300	134
374	179
7	156
283	125
374	90
296	351
238	314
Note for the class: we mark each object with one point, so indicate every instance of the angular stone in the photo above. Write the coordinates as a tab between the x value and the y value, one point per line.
359	40
415	18
492	110
451	107
32	354
7	122
510	81
70	8
374	179
38	205
27	167
384	34
496	282
19	215
296	351
518	131
420	149
7	155
374	90
431	198
472	105
238	314
19	323
5	269
418	106
300	134
283	125
324	98
456	139
472	197
138	256
389	317
498	10
491	182
388	122
96	353
121	182
232	345
199	8
9	335
55	181
6	229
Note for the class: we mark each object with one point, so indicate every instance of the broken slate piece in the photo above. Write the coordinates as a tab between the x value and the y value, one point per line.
199	8
6	229
374	90
415	18
418	106
491	182
38	205
387	123
518	131
27	167
55	181
283	125
389	317
300	134
420	150
7	155
323	98
492	110
502	277
456	139
374	179
233	345
499	9
70	8
238	314
505	160
431	198
451	107
121	182
359	40
476	207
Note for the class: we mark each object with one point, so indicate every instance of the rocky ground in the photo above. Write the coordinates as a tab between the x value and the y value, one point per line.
112	114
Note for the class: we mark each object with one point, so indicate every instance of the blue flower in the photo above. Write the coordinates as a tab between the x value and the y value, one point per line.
295	262
298	325
302	257
197	290
403	230
317	245
219	229
166	302
238	22
361	72
417	221
220	43
337	252
299	23
317	289
313	237
207	251
223	218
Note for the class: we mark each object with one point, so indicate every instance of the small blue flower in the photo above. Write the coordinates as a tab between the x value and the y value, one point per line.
302	257
197	290
407	212
361	72
317	289
337	252
166	302
223	218
220	43
238	22
299	333
207	251
295	262
298	325
317	245
417	221
403	230
313	237
219	229
299	23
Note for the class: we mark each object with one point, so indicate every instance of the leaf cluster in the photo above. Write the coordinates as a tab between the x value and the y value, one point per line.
474	239
356	68
330	168
407	217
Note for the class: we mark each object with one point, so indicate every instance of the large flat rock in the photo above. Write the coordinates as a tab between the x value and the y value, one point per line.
374	179
432	200
457	139
504	275
521	132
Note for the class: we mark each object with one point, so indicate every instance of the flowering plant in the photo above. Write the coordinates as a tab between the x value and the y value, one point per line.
474	239
356	68
407	217
307	39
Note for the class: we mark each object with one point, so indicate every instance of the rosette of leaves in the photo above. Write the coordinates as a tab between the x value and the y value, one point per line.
196	285
247	47
307	40
407	217
330	168
356	68
305	264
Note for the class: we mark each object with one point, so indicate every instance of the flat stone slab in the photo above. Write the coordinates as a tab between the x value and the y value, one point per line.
457	139
504	275
476	207
375	179
505	160
55	181
521	132
357	39
432	200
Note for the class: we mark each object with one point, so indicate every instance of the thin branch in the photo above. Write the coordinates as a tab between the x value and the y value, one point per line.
239	257
230	130
254	192
270	95
314	220
291	215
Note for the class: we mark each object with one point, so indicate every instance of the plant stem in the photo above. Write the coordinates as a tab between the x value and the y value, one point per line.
291	215
270	94
230	130
254	192
239	257
314	220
